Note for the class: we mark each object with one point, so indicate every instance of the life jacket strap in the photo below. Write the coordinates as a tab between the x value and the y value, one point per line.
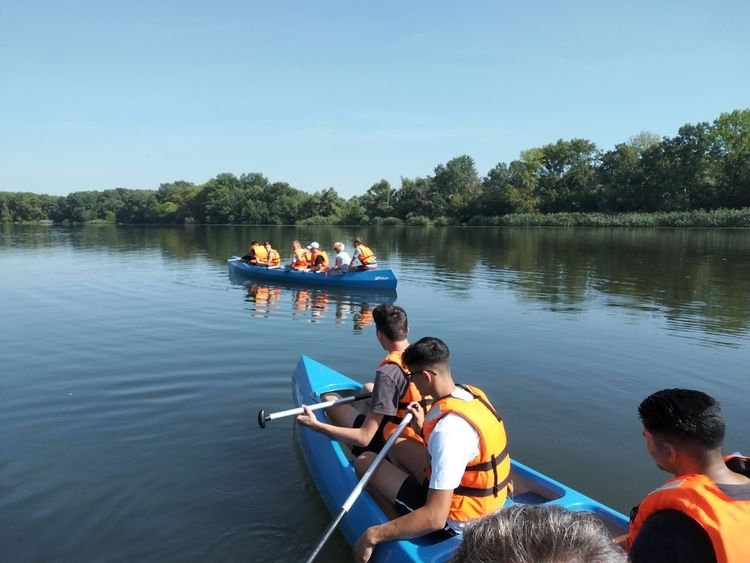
492	464
488	492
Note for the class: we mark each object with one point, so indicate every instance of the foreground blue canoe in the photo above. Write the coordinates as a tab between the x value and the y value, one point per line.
368	279
331	469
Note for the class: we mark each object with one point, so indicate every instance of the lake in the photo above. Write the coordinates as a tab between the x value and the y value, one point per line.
133	368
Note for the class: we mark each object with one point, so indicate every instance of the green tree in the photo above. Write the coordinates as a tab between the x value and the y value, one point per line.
730	150
567	177
378	200
456	186
415	198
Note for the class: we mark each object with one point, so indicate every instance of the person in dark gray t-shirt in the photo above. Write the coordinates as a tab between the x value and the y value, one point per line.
364	431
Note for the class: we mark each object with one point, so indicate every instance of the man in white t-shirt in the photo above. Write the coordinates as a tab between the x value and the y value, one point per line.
469	467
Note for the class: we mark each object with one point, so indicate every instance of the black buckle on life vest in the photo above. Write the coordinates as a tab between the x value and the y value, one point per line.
475	492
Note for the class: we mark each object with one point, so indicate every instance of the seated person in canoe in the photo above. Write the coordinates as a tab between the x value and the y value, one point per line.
274	258
703	513
468	472
364	257
300	257
342	259
318	260
391	394
250	257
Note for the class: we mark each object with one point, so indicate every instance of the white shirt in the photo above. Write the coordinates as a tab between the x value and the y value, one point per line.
453	444
342	260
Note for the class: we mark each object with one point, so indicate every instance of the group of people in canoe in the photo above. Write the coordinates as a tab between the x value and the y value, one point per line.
313	258
449	472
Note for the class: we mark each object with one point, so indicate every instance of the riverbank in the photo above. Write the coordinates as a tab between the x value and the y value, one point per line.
717	218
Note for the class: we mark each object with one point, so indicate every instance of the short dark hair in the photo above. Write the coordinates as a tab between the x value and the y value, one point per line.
426	352
523	533
357	240
684	416
392	321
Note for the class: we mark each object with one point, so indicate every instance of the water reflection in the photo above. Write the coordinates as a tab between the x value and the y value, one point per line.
697	280
314	305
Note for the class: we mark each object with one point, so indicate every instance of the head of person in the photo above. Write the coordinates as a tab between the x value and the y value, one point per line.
524	533
356	242
338	246
425	359
296	244
681	422
267	245
391	322
313	246
253	243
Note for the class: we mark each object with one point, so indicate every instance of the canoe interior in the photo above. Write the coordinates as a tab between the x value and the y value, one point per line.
331	468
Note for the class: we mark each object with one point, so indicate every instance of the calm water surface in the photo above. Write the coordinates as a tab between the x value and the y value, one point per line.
132	368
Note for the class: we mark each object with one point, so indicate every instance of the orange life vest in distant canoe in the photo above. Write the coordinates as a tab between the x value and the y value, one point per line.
411	394
300	256
366	256
725	520
274	259
314	255
485	483
260	254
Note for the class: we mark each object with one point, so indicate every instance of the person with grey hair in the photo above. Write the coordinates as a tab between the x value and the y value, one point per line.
524	533
342	259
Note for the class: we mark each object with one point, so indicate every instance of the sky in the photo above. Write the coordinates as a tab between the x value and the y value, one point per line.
96	95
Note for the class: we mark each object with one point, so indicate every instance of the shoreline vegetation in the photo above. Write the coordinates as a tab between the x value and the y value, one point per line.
699	178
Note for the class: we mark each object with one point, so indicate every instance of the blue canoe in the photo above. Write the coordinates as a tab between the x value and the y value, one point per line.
368	279
331	469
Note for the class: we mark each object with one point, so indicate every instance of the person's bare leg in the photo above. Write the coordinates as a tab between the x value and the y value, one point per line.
410	456
341	415
384	484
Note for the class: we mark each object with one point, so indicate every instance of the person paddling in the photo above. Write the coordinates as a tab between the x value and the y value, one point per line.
468	474
391	393
364	257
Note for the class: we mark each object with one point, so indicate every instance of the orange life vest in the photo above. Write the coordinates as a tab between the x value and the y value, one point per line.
300	259
274	259
366	256
485	483
317	252
261	254
725	520
411	394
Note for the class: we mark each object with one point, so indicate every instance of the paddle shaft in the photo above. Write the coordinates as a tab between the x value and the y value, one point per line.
360	486
263	417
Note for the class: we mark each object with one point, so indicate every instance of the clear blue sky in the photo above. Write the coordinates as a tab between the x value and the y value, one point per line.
96	94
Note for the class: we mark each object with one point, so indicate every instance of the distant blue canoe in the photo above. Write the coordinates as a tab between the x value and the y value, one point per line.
331	469
367	279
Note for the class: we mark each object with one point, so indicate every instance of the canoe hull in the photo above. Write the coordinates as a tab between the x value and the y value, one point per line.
335	478
368	279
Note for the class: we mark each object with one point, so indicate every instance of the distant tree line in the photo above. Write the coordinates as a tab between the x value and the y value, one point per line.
705	167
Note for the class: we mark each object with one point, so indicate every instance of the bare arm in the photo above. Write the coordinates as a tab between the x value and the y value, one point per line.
431	517
356	436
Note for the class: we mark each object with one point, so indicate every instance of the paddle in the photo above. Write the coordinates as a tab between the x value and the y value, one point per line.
360	486
263	417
